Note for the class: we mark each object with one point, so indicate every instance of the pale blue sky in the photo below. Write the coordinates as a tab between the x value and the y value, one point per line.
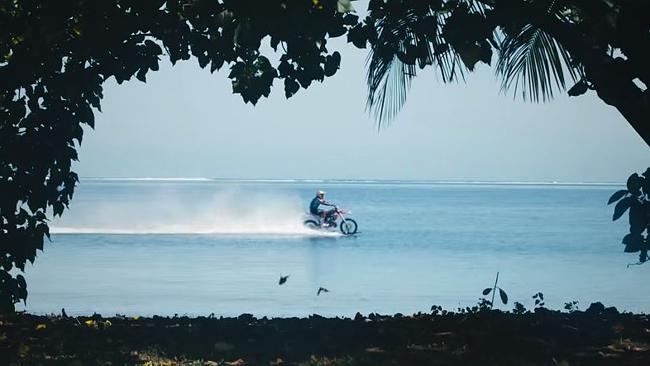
185	122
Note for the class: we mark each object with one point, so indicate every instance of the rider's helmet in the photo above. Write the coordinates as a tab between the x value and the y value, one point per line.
320	194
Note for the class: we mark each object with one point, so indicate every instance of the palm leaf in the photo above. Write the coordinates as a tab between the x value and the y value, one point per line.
389	80
388	77
533	64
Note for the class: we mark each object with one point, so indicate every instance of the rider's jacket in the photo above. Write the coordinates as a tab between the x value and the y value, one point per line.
315	203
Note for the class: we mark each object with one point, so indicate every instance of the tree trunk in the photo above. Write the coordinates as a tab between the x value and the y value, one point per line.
611	78
623	94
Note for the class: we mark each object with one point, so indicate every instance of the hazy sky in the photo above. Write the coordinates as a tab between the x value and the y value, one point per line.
185	122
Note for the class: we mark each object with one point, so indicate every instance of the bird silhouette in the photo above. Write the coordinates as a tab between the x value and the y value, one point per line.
63	314
283	279
322	289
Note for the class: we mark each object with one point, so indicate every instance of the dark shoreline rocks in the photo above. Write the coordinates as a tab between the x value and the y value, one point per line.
597	336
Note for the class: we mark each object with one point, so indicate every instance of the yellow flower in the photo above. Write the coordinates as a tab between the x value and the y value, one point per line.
40	326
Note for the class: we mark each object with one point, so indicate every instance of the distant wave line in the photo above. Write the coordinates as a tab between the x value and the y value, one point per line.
348	181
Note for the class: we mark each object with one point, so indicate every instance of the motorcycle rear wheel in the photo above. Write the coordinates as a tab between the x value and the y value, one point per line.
311	224
348	227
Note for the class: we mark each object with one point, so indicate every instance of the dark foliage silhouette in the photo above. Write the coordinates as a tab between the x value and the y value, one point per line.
519	308
541	47
601	336
635	200
539	300
571	306
55	56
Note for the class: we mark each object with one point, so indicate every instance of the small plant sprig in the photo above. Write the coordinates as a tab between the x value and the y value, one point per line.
493	290
539	300
519	308
438	310
571	306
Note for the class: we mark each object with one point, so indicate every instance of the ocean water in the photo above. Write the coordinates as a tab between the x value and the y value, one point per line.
196	247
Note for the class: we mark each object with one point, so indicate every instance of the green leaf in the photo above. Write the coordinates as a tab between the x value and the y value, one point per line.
57	208
45	229
617	196
214	66
634	183
338	31
332	64
621	207
470	55
638	217
285	68
630	238
503	295
21	281
142	75
290	87
487	291
40	215
21	292
350	19
580	88
359	35
203	60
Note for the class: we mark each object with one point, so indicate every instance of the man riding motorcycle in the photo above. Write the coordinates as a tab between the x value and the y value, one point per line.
314	207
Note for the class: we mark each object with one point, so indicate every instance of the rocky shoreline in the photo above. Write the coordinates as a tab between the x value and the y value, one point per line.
597	336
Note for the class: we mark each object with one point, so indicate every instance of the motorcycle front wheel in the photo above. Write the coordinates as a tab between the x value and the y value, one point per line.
311	224
348	226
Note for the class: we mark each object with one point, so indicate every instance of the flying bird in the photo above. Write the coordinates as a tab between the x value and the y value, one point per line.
322	289
283	279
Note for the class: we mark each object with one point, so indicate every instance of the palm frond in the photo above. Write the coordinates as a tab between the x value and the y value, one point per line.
389	81
388	77
534	65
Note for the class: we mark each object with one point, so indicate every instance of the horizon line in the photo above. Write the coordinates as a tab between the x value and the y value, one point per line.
348	180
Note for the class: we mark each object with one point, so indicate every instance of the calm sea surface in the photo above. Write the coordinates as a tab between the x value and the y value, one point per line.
201	247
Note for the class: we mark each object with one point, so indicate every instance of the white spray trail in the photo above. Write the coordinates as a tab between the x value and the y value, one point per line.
226	212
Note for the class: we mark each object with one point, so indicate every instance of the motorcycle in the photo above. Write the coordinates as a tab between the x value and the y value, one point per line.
347	225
